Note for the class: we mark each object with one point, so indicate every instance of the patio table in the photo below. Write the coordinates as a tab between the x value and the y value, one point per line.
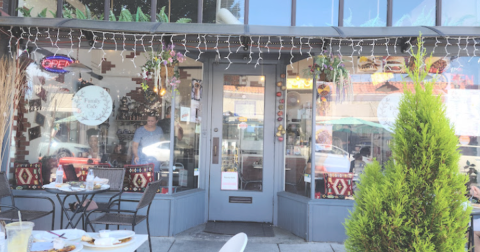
81	197
139	239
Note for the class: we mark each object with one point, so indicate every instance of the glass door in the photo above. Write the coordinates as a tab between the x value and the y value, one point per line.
241	171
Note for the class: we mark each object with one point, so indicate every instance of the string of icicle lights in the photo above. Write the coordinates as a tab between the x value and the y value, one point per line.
252	45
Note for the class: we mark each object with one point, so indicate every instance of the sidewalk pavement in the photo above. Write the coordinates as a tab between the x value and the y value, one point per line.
196	240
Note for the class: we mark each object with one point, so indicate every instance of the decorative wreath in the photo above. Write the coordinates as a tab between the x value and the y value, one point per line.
323	90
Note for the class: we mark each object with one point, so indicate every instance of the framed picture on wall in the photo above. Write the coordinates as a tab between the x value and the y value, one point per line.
34	105
34	133
39	119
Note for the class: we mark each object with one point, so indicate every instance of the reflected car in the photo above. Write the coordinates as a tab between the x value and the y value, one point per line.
332	158
160	151
62	149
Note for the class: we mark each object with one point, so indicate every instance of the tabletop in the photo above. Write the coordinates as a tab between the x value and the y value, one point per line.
138	241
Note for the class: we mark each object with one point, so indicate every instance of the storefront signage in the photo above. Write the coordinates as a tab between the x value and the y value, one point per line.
229	181
92	105
299	83
56	63
242	125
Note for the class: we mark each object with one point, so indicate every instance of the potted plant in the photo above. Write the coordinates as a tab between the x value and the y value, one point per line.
471	170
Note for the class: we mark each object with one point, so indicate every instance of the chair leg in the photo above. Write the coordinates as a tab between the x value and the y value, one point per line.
148	232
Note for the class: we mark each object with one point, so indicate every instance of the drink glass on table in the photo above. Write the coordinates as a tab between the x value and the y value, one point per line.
89	181
18	236
59	175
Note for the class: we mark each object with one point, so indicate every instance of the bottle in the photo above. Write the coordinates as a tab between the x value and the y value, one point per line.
59	175
89	180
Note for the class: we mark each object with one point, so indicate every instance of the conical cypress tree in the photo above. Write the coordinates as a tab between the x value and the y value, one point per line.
415	204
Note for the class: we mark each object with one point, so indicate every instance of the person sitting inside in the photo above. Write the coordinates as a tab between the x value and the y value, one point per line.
357	165
92	136
49	169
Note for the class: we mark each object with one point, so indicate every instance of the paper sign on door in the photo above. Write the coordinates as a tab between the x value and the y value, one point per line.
229	181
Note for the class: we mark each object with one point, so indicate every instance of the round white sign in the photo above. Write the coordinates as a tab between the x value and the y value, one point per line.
92	105
387	110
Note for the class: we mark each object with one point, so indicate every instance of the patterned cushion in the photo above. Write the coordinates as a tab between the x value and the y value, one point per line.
28	176
137	177
338	185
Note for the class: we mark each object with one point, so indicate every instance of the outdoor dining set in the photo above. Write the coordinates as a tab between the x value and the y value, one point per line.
85	211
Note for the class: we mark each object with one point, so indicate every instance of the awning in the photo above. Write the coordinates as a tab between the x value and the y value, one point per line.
244	30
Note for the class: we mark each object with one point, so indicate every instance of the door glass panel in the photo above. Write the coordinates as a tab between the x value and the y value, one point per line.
242	135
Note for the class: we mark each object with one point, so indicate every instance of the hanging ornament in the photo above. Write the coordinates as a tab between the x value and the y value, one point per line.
281	107
284	88
280	139
280	119
279	94
279	84
280	113
323	90
282	101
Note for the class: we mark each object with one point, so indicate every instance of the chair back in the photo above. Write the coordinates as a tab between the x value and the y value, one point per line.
5	190
115	177
149	194
235	244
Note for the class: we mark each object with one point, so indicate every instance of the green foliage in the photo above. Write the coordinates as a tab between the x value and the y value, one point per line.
184	20
43	13
26	12
417	202
141	17
112	17
67	13
53	13
125	16
161	16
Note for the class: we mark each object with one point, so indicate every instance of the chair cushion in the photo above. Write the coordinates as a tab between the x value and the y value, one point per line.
338	185
28	176
137	177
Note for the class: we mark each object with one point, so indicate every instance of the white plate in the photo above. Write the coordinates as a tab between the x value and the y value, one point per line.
86	244
105	187
70	234
48	245
117	234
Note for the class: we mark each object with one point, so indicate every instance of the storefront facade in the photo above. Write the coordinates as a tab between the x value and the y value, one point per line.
241	108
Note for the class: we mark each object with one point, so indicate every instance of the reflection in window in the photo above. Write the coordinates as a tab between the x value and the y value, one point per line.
178	9
413	13
37	8
58	135
317	13
270	12
368	13
231	12
464	14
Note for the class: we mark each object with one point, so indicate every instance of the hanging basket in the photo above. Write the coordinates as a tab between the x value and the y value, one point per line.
170	69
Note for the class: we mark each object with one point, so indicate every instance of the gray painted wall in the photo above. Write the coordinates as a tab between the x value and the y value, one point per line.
292	213
169	215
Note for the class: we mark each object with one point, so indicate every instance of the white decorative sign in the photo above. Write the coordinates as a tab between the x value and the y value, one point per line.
183	177
387	110
229	181
92	105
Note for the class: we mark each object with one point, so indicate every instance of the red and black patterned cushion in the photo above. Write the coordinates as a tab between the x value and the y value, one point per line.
338	185
137	177
28	176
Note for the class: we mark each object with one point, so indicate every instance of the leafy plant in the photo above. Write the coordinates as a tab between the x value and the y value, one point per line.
26	12
125	16
80	15
417	203
141	17
112	17
42	13
67	13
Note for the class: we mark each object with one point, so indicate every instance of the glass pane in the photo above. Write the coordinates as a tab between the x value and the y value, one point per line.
317	13
366	13
465	14
132	6
37	8
413	13
242	138
298	125
270	12
231	12
179	9
210	11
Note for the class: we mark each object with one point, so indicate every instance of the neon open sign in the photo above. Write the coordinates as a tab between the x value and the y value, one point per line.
56	63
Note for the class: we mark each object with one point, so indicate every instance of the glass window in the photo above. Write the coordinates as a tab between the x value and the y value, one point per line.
103	118
131	8
366	13
210	11
317	13
242	137
179	9
465	14
270	12
37	8
413	13
231	12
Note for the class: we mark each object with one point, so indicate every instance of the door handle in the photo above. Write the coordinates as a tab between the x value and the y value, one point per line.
215	143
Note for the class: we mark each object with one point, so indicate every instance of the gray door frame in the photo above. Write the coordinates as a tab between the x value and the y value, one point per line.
262	209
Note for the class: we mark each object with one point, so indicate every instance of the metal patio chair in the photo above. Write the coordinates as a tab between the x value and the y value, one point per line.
132	218
12	213
115	178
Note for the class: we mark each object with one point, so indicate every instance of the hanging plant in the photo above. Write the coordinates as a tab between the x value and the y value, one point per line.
330	68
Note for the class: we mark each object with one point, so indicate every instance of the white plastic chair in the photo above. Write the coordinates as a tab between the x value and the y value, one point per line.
235	244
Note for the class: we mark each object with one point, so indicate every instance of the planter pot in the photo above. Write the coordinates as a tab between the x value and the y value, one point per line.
164	69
